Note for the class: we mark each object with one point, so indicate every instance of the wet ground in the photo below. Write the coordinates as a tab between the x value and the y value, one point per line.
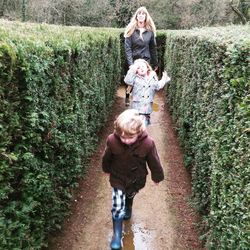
162	218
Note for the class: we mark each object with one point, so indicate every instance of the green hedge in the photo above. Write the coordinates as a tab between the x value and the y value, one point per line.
57	85
209	96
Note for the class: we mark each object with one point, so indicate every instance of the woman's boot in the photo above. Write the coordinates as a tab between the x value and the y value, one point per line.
116	242
127	99
128	208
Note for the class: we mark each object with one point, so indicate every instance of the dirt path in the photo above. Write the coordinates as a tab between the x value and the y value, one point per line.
162	218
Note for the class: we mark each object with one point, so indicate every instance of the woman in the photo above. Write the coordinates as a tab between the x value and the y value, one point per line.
140	40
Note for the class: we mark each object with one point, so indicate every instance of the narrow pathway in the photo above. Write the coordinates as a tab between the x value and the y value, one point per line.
162	218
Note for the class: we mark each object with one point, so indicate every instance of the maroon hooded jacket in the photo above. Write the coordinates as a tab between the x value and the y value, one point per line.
127	164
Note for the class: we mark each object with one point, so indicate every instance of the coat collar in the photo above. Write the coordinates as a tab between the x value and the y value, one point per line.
140	138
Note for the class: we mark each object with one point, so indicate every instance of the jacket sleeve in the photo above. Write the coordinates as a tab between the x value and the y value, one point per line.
154	164
106	159
160	84
128	50
153	51
130	77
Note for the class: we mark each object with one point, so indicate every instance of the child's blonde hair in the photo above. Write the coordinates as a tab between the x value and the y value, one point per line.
137	61
149	23
129	123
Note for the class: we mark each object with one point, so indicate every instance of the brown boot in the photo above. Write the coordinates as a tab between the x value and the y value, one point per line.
127	100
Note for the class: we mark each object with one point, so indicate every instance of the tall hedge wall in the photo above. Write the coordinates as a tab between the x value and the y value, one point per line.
57	85
209	97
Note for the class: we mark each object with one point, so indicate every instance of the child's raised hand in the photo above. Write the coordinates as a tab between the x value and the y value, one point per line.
134	67
165	76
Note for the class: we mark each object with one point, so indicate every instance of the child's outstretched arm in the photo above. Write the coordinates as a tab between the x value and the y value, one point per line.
106	159
165	79
154	164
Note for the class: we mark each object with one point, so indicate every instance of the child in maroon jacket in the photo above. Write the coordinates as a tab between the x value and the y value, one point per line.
128	152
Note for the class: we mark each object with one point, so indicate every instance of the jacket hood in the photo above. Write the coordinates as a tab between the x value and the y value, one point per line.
142	136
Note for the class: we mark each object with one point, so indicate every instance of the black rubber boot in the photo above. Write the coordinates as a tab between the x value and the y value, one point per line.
127	100
128	208
116	242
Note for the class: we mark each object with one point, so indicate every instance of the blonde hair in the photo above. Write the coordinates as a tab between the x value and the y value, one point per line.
137	61
149	23
129	123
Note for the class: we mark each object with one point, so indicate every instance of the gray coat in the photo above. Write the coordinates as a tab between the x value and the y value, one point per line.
144	89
